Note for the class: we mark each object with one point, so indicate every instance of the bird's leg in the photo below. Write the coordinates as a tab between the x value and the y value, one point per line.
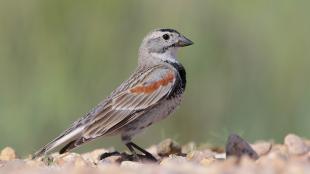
132	150
131	147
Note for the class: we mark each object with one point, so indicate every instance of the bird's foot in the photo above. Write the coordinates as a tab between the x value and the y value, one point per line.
108	154
128	157
142	158
150	157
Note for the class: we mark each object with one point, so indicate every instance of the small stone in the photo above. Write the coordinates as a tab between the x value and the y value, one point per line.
71	159
198	156
7	154
189	147
220	156
278	151
179	165
174	159
225	164
238	147
131	165
277	155
246	161
94	155
2	163
207	161
295	145
273	161
262	148
80	162
307	142
168	147
34	163
304	158
13	165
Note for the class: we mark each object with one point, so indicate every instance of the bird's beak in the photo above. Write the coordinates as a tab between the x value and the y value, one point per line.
183	42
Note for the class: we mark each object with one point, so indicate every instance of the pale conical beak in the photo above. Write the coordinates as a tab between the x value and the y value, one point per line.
183	42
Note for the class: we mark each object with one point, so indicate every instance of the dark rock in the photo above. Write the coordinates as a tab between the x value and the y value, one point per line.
238	147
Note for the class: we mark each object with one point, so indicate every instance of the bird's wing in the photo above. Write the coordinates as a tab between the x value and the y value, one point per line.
142	92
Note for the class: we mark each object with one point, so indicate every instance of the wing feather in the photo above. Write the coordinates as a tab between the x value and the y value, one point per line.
144	89
132	101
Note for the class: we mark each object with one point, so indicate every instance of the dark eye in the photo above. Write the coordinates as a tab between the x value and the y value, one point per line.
166	36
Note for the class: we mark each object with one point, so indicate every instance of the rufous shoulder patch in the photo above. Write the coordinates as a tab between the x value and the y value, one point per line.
153	86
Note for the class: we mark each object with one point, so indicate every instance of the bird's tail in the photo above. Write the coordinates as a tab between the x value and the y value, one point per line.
68	138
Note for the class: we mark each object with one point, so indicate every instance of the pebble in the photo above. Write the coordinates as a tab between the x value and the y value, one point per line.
94	155
173	159
80	162
198	156
168	147
207	161
278	151
220	156
34	163
295	145
2	163
64	158
189	147
262	148
131	164
307	142
73	159
7	154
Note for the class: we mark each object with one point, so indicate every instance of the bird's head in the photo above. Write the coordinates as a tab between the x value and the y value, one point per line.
162	44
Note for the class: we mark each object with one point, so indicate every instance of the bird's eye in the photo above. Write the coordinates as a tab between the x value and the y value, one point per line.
166	36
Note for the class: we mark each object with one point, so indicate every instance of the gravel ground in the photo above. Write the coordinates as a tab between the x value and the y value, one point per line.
293	156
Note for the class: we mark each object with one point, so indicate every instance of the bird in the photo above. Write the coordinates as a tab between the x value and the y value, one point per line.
152	92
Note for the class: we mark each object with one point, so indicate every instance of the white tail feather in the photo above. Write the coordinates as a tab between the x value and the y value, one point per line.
60	140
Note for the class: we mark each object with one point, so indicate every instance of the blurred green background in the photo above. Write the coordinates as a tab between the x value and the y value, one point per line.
248	71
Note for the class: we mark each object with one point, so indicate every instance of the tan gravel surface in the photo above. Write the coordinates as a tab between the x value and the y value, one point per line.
293	156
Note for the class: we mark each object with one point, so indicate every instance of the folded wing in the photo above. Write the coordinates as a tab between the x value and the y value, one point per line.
130	103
